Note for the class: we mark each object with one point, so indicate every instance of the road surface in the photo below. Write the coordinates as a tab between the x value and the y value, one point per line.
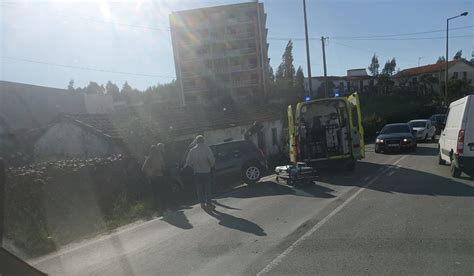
396	214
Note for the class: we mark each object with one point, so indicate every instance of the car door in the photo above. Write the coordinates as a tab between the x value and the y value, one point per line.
468	126
431	128
226	158
291	136
357	130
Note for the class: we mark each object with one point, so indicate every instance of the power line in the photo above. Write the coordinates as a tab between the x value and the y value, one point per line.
85	68
370	39
404	38
402	34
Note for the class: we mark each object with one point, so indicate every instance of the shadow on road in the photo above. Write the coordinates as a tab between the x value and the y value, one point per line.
269	188
237	223
408	181
217	203
178	219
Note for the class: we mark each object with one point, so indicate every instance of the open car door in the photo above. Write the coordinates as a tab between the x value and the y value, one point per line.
357	130
291	135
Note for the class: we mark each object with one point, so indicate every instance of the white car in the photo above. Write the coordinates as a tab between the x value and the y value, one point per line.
456	144
424	129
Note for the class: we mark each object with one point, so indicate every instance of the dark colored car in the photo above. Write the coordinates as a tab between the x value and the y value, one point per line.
240	157
236	158
438	121
395	137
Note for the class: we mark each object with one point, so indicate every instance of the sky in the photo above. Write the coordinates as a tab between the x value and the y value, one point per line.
49	43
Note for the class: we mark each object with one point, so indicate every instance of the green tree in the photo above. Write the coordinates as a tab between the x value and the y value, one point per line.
374	66
113	90
271	75
286	70
389	67
458	89
441	59
458	55
94	88
299	82
70	86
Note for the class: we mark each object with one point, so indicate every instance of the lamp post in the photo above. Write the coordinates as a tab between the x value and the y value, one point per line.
447	58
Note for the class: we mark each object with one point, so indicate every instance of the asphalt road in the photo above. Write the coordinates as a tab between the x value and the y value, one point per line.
396	214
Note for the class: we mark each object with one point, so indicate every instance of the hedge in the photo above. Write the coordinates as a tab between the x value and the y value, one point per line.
50	204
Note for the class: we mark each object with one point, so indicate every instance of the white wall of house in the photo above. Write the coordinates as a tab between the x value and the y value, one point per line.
66	140
272	146
460	68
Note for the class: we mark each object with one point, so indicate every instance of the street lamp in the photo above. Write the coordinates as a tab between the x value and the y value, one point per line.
447	58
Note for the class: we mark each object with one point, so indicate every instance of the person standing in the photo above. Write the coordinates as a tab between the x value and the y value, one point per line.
201	159
154	168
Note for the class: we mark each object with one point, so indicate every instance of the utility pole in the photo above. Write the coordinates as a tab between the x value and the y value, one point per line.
308	59
446	78
326	92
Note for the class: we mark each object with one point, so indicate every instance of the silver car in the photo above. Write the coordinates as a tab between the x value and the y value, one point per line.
424	129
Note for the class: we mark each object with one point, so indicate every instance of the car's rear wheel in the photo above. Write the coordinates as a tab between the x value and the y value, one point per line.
252	173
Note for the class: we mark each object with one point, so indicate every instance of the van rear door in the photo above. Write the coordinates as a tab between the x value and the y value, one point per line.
468	126
357	131
291	135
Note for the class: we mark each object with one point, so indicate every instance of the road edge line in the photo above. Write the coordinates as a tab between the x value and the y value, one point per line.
311	231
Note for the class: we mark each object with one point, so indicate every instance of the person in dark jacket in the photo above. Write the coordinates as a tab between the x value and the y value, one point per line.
154	168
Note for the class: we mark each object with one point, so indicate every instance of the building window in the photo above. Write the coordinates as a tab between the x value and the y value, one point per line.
455	75
274	136
464	76
413	80
371	82
361	85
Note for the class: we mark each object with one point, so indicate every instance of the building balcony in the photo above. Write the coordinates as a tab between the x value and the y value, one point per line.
242	68
244	83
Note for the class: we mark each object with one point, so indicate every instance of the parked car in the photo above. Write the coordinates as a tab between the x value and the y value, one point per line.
456	144
424	129
240	158
395	137
438	121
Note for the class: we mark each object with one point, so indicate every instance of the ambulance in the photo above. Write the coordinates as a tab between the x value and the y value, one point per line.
327	132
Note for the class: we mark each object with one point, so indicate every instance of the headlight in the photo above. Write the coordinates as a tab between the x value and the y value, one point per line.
379	140
405	140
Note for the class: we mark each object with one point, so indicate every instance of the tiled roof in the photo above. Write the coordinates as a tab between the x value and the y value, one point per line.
177	120
191	119
99	123
431	68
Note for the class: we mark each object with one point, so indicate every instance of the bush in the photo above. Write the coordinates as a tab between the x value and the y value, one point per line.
53	203
372	124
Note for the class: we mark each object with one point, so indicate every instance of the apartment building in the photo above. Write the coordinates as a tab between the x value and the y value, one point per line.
220	51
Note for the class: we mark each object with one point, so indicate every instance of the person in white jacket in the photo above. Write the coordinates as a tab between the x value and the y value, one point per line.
201	159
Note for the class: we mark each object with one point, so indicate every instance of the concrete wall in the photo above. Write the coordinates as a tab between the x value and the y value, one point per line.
237	133
66	140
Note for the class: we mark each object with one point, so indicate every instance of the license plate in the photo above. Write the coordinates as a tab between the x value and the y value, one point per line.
394	145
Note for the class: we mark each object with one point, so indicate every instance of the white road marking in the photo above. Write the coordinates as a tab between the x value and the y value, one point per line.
390	173
315	228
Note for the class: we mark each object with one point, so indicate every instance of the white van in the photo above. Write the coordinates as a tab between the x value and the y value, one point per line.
456	144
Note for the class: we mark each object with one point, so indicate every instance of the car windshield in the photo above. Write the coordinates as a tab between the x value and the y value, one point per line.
395	129
418	124
236	137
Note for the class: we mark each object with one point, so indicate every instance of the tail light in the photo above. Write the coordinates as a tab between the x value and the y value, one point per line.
460	147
